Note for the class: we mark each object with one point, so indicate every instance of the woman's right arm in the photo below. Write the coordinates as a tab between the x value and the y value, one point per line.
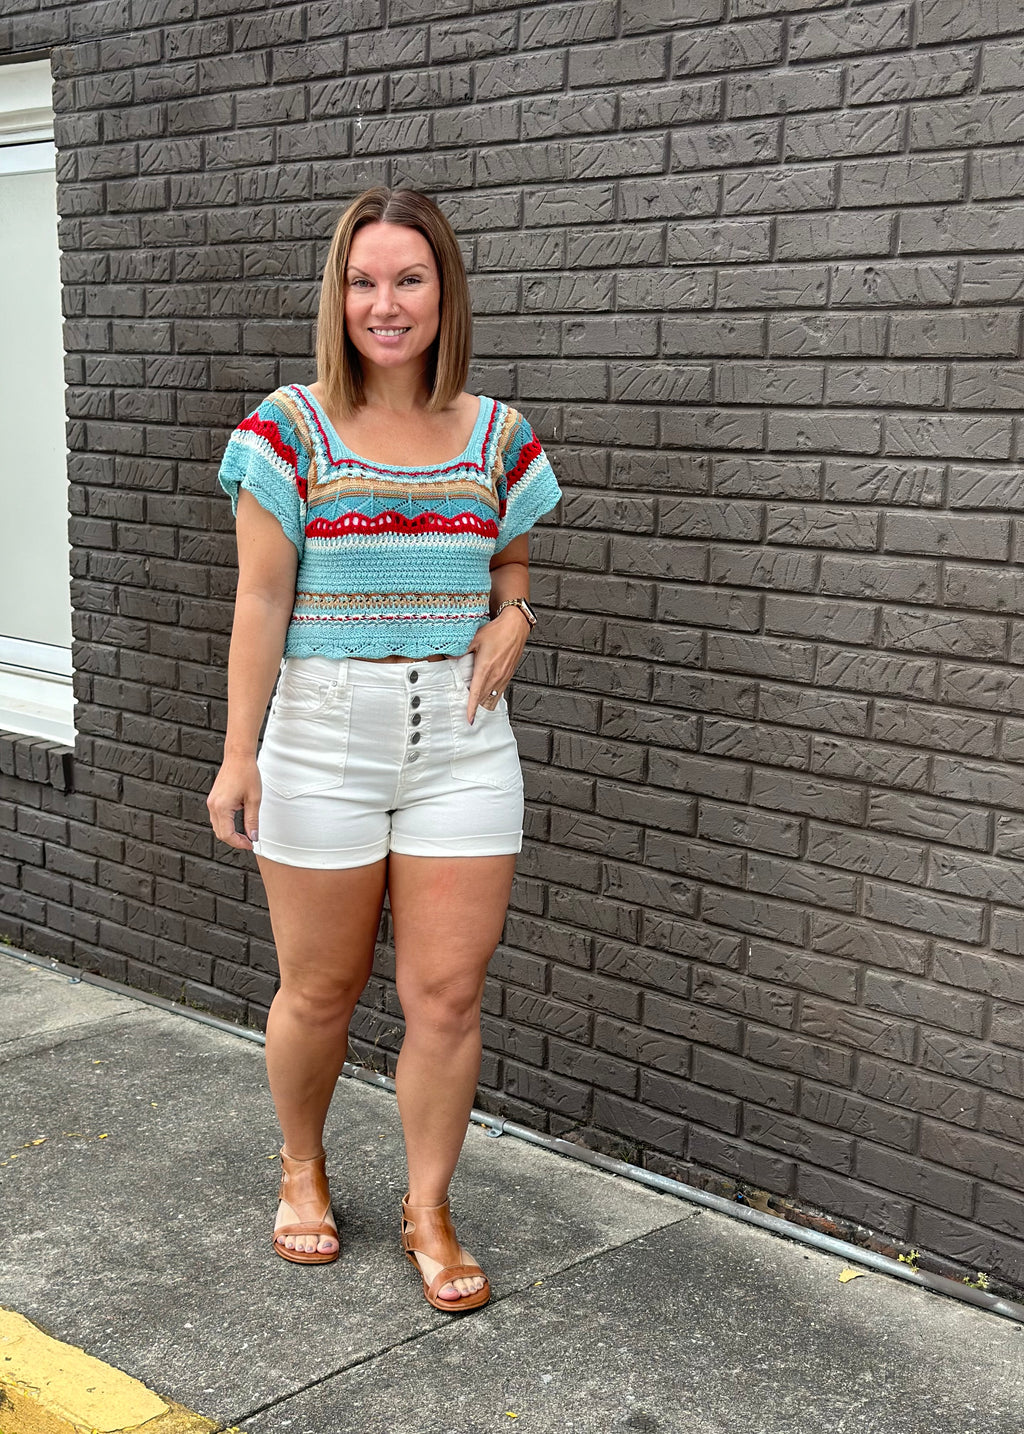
264	600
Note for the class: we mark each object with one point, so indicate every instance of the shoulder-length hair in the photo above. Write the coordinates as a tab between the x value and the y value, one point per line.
339	368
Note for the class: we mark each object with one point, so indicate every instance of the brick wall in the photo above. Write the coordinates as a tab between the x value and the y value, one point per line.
753	271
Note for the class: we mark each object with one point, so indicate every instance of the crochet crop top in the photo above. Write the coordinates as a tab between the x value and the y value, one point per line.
392	560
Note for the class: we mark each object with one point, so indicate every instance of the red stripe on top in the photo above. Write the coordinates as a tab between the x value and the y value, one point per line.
267	429
392	522
527	454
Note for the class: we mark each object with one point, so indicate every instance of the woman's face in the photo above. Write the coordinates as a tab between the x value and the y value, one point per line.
392	294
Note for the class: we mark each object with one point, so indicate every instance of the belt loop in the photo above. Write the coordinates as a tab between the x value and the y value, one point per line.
341	676
458	677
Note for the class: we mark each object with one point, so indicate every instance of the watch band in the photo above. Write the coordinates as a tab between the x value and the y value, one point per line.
523	606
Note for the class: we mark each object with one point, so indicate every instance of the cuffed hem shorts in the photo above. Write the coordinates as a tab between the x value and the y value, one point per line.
362	758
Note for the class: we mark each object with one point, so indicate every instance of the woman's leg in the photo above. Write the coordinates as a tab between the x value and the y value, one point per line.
448	914
325	924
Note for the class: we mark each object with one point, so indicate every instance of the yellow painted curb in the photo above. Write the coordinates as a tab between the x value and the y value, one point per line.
47	1387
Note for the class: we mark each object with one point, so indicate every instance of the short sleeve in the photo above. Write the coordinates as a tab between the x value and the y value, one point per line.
265	457
527	486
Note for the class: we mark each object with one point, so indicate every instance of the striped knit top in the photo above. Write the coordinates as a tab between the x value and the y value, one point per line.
391	559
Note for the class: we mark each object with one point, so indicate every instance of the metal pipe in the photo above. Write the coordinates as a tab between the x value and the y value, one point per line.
498	1126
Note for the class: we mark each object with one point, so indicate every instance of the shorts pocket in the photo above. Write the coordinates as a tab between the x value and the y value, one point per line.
299	694
305	746
484	754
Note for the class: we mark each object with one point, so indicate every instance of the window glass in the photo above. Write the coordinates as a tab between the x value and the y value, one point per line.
35	601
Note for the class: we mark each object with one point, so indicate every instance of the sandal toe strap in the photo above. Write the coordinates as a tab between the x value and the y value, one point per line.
450	1273
308	1227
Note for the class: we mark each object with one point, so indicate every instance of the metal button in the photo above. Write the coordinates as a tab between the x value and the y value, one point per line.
415	702
414	676
416	719
415	737
413	756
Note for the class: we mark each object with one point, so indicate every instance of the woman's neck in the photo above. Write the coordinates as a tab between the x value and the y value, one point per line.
403	390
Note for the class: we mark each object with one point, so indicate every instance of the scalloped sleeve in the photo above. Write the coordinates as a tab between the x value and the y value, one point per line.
264	456
527	487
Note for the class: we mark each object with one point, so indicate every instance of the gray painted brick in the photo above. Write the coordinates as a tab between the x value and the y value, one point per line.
785	286
923	816
960	921
827	335
798	1139
715	146
915	1178
1002	65
981	227
779	190
896	181
902	284
738	827
733	47
915	1091
839	235
730	242
567	24
678	1018
955	124
842	1110
642	1047
946	20
646	106
861	942
975	1154
691	1102
627	62
740	1078
844	133
784	92
913	75
885	385
765	1171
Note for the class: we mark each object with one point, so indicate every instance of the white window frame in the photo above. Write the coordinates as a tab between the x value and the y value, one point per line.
36	696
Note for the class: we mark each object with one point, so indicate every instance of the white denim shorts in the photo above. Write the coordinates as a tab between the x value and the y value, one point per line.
362	758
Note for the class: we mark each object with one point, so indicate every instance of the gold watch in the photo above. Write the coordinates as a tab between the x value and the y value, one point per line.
523	606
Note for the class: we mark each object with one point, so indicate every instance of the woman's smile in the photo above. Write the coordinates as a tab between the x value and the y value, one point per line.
388	336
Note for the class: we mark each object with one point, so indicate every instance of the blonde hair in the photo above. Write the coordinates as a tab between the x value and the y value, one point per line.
339	368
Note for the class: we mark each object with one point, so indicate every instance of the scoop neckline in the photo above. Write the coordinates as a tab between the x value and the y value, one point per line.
334	440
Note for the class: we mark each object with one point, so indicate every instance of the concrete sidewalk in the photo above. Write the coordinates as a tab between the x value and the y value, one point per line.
139	1229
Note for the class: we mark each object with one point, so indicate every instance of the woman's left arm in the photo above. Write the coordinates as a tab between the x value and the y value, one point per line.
498	645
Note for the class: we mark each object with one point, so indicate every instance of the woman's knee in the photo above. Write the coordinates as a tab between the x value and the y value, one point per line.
445	1008
319	1004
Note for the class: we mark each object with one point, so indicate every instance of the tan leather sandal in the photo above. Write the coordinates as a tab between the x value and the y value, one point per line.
302	1182
433	1225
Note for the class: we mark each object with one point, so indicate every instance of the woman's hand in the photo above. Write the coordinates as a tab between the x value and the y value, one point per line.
497	651
237	789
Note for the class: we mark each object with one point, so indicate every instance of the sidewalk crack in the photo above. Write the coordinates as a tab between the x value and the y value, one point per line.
239	1419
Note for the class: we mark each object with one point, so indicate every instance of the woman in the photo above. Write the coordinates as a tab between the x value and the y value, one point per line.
382	520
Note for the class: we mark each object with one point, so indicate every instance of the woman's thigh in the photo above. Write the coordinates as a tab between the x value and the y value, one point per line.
447	914
325	922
